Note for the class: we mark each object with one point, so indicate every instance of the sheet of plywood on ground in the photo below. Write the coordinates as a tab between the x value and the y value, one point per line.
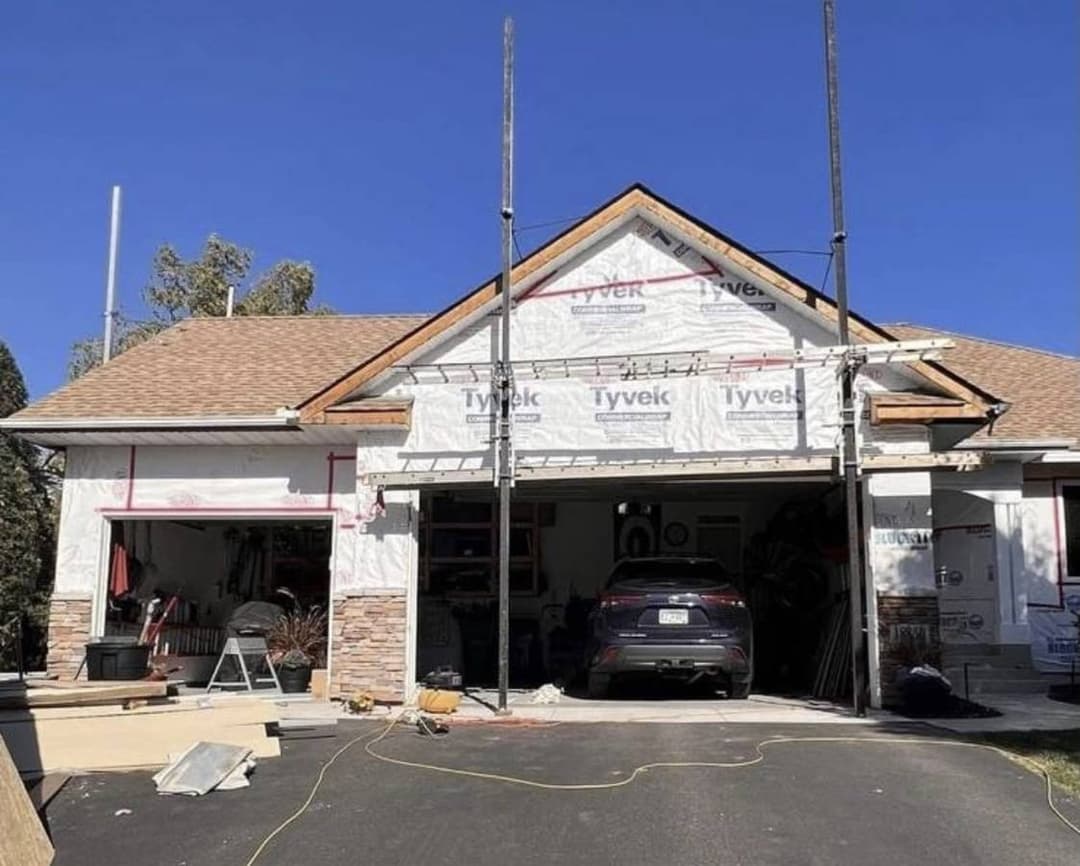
23	841
137	738
313	408
53	696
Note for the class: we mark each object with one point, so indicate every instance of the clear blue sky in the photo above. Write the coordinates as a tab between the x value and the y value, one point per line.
364	137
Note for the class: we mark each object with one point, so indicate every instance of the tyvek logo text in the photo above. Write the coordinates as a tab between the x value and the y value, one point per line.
609	298
717	297
481	404
762	404
630	404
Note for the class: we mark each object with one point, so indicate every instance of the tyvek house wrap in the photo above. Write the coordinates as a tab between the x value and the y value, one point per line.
639	291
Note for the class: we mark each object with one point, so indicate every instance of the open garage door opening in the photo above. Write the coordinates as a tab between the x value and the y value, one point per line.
209	579
780	546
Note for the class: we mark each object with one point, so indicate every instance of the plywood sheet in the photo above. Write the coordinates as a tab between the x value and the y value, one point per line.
23	841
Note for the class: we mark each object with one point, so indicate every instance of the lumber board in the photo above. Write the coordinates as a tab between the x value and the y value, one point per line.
246	711
50	696
126	742
23	841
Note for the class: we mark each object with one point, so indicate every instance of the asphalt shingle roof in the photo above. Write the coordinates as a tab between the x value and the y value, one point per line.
1042	388
241	366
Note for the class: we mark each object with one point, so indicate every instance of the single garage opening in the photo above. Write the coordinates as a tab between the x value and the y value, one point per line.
781	542
211	567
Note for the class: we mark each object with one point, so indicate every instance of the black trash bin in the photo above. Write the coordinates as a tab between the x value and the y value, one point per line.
116	658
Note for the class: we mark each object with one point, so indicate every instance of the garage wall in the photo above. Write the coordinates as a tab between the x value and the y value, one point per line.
260	481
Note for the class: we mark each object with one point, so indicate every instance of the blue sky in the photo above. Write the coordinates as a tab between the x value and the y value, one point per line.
365	138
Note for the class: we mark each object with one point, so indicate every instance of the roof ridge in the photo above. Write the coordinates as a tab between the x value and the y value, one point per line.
987	340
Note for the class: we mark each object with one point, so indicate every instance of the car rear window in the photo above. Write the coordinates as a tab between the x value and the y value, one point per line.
665	575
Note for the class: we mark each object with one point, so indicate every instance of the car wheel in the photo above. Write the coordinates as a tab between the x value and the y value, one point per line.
599	685
739	691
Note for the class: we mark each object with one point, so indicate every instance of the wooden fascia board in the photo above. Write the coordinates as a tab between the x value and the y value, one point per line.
861	331
883	412
383	416
473	302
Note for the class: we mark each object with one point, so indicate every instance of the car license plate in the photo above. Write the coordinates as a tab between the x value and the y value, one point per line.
678	616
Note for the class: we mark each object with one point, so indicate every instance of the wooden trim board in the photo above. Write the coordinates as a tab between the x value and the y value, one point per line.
23	840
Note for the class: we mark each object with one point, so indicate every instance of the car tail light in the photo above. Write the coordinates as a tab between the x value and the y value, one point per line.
611	601
724	599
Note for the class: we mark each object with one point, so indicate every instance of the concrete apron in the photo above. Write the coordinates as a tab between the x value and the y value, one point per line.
757	709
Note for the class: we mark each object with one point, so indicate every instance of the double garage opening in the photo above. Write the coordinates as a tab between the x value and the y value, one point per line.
783	544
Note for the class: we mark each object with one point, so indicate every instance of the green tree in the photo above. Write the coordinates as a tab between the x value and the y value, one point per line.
180	288
26	530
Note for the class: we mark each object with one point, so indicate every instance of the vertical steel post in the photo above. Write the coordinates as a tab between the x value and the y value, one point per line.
850	446
505	382
110	277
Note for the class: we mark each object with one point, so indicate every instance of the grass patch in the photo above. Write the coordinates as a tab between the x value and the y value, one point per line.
1057	751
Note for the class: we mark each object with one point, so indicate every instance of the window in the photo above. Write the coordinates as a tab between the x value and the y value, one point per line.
1070	499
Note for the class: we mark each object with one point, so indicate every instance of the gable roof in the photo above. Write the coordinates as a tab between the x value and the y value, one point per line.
224	367
1042	388
636	200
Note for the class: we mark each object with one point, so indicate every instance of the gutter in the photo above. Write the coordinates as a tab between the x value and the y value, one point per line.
284	418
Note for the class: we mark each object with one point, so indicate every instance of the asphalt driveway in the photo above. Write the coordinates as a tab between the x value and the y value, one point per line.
807	803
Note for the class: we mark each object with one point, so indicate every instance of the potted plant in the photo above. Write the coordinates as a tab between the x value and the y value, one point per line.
297	641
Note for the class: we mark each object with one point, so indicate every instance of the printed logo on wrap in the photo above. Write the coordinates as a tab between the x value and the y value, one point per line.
479	409
629	414
728	297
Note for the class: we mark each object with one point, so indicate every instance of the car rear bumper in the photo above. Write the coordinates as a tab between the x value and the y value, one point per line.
728	659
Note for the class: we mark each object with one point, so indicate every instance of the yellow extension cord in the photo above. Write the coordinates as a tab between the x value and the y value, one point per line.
1027	763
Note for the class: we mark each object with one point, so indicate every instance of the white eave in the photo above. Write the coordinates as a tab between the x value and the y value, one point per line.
280	420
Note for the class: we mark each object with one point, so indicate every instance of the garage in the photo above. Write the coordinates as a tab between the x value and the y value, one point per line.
192	582
780	544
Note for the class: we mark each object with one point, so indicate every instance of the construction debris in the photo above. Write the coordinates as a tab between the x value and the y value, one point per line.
206	767
48	693
111	738
546	694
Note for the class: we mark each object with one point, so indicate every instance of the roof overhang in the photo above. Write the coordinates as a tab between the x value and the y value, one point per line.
899	407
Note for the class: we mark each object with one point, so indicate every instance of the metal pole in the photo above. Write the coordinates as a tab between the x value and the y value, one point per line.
504	383
229	300
847	386
110	278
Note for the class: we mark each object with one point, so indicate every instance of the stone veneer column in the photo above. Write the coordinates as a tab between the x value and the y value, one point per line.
904	618
69	630
368	644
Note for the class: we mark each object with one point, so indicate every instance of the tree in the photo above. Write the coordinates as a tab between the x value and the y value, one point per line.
179	289
26	529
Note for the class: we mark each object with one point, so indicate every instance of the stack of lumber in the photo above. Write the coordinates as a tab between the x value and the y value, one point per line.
87	727
833	680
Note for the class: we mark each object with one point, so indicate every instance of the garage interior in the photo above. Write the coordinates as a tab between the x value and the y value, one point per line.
783	544
211	567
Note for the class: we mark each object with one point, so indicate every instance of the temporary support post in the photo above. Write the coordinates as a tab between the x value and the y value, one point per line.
110	277
848	371
504	371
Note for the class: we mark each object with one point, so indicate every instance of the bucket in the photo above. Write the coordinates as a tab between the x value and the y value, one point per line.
116	659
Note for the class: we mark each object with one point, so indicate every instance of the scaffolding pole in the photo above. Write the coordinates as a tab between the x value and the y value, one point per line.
504	371
849	370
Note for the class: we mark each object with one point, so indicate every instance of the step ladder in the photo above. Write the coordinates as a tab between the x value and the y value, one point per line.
241	648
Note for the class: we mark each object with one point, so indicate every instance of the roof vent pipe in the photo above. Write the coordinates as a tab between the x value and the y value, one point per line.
229	302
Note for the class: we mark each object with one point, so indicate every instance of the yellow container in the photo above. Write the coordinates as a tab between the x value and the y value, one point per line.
438	701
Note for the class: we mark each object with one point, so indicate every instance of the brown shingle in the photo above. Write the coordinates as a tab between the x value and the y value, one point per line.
1042	388
246	365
